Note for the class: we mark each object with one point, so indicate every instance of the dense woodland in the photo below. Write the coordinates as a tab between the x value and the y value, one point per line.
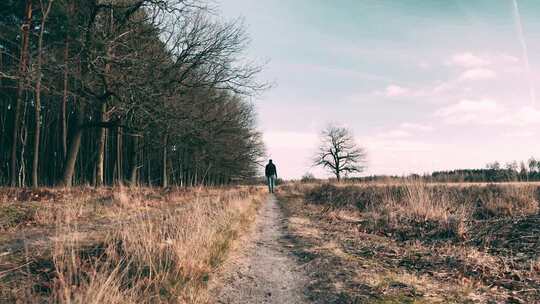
141	92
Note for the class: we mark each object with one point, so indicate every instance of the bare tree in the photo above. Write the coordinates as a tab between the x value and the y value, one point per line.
23	71
153	91
45	10
339	153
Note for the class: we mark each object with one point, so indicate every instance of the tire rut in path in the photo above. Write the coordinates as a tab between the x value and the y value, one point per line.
263	270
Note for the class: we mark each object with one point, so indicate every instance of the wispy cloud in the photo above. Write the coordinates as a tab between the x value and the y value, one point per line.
404	130
291	139
470	111
519	133
398	133
416	127
461	67
477	74
524	116
326	71
487	112
397	91
468	60
469	106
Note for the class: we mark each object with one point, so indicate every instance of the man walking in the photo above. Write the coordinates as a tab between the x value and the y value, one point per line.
271	175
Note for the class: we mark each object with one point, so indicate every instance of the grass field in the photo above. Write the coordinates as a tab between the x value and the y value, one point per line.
417	243
356	243
117	245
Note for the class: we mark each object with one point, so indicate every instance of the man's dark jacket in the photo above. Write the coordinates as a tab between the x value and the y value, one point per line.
270	170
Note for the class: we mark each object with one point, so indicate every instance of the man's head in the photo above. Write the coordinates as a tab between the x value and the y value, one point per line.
269	161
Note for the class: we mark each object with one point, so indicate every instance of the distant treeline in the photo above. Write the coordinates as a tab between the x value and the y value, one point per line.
150	92
494	172
461	176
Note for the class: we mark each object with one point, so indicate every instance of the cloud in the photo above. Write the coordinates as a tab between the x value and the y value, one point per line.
522	117
519	133
396	91
505	58
477	74
468	60
416	127
470	67
424	65
435	93
488	112
469	106
297	140
326	71
397	133
393	145
404	130
470	111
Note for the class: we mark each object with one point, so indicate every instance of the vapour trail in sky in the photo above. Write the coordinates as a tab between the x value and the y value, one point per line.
521	37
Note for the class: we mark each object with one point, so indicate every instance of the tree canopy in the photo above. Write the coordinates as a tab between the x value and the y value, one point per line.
108	91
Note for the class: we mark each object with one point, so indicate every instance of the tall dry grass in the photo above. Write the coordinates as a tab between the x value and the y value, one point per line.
418	243
420	207
419	210
164	251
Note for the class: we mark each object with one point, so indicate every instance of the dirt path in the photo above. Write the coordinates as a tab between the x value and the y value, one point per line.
263	271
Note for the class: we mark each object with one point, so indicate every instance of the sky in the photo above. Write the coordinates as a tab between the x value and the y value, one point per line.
424	85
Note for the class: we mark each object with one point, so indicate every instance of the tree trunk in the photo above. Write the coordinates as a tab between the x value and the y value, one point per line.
3	119
100	166
338	166
73	152
103	131
71	158
63	114
165	181
37	112
23	138
119	169
148	168
134	162
25	32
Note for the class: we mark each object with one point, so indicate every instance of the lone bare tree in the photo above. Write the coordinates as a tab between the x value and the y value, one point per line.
339	153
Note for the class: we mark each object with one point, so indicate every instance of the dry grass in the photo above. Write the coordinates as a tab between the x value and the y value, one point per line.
432	213
417	243
118	245
418	210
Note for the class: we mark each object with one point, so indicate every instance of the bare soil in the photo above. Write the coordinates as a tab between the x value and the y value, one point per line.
263	269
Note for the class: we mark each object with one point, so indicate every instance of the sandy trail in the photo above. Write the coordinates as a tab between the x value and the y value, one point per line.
263	270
